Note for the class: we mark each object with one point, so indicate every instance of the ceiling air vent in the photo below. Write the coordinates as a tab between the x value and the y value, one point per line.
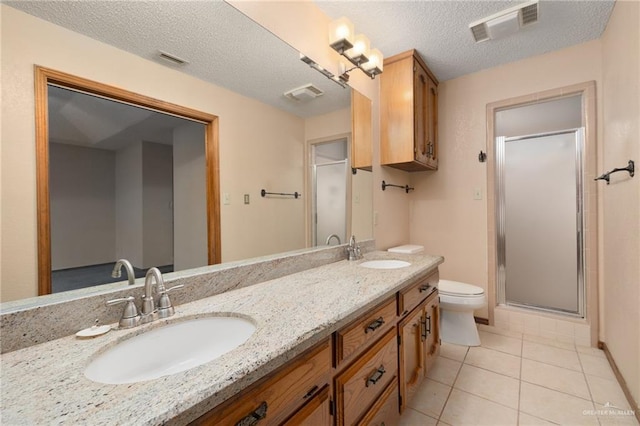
480	32
505	23
529	14
304	93
171	58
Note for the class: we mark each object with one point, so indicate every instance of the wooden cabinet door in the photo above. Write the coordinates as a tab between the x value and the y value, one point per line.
432	124
432	327
411	354
361	129
421	111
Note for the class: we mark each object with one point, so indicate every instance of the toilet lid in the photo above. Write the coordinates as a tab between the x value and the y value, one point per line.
455	287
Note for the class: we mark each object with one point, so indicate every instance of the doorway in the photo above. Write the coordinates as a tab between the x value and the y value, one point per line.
47	78
331	183
583	98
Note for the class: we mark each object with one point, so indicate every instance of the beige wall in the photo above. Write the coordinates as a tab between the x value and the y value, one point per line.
303	25
249	153
444	215
621	199
189	197
76	241
335	124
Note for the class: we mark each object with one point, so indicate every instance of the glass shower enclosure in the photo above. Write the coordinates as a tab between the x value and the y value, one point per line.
540	221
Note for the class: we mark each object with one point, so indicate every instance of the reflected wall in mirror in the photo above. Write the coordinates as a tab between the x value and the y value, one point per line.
262	141
124	182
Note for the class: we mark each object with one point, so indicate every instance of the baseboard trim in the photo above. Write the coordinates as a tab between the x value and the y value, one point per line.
481	320
621	381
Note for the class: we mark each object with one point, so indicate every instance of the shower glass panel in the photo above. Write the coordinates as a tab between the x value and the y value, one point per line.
540	221
331	201
331	183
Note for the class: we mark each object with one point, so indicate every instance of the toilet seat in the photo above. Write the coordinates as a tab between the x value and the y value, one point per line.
455	288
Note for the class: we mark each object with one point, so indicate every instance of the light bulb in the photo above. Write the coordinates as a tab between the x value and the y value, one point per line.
375	63
341	34
360	50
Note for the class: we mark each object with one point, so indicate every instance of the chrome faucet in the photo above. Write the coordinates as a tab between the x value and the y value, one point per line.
353	250
149	312
117	270
130	315
333	236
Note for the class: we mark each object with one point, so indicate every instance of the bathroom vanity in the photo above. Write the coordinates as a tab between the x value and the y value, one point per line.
364	374
339	343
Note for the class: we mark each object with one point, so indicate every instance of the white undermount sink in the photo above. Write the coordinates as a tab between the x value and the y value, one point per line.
169	349
385	264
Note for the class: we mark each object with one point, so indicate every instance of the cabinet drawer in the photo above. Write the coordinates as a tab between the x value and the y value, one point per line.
315	413
385	411
411	297
358	387
277	397
355	337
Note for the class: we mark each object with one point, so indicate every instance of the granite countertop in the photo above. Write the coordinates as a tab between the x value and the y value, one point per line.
45	384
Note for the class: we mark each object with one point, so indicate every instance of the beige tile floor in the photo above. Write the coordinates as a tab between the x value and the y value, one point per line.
517	379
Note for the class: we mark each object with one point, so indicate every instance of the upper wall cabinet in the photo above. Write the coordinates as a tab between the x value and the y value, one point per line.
361	131
408	114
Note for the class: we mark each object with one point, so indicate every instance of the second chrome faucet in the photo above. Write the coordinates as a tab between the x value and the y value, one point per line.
131	317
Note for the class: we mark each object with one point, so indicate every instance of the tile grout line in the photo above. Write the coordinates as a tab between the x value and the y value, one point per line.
520	380
593	403
452	384
557	390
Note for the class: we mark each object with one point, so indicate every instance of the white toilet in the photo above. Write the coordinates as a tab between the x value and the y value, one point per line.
457	303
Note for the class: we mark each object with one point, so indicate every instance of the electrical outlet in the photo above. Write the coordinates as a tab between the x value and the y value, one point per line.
375	218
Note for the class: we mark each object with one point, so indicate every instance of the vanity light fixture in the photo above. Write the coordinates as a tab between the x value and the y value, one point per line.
355	48
335	78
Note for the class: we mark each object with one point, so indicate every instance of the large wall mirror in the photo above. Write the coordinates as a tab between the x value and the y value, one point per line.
272	111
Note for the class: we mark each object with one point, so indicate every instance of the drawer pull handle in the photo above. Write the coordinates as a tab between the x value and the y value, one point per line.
424	287
253	418
376	376
311	392
374	325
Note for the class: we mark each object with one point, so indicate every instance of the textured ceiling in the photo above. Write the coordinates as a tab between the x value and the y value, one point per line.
439	30
222	45
228	49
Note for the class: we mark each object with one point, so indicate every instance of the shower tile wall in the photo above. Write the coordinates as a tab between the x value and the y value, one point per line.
547	326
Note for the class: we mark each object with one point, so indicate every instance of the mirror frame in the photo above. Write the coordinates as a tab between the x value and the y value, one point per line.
44	77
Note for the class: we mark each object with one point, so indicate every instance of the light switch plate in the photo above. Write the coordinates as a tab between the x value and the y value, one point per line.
477	194
226	198
246	198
